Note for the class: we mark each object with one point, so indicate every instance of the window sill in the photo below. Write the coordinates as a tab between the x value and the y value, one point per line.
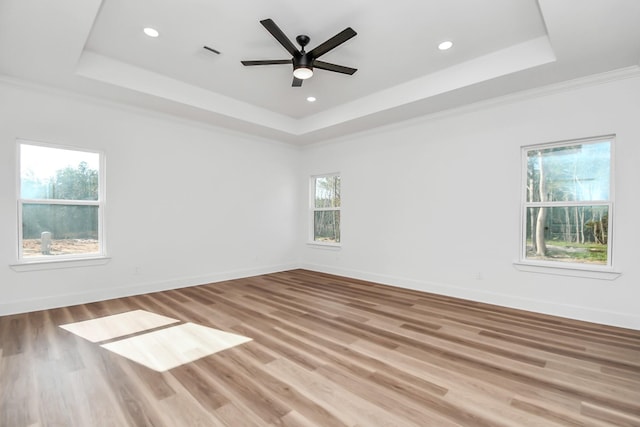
603	273
329	246
39	265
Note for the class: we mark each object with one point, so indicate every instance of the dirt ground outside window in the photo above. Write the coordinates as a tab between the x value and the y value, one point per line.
32	247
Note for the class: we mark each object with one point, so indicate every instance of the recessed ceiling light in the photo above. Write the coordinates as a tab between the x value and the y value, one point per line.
151	32
445	45
311	98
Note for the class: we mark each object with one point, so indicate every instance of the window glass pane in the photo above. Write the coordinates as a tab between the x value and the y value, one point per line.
326	226
59	230
327	192
578	172
568	234
55	173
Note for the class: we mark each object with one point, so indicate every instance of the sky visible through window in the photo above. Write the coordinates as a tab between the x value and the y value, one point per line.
43	162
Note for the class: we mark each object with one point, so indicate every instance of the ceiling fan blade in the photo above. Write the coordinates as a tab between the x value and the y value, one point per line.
296	82
333	67
267	62
333	42
279	35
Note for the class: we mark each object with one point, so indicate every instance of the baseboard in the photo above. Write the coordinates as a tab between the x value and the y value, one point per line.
624	320
587	314
28	305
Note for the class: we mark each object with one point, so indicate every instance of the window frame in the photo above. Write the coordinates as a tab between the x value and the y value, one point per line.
68	260
313	209
579	269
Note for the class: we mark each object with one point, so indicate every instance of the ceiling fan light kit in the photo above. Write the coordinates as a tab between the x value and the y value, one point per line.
302	72
304	62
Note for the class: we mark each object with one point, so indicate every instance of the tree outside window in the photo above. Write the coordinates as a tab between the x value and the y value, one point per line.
59	203
567	207
325	208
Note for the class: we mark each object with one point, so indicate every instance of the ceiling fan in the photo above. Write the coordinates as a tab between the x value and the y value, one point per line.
304	62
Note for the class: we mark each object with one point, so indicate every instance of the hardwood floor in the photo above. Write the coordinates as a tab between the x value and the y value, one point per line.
325	351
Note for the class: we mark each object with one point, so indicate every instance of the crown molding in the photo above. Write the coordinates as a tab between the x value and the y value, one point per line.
524	95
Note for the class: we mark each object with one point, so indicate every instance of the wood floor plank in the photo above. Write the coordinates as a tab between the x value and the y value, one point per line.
324	351
299	403
93	403
610	415
350	408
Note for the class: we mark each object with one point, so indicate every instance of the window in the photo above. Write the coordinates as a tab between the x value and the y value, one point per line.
325	209
60	203
567	203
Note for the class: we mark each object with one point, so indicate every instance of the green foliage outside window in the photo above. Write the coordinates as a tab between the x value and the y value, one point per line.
567	206
326	215
59	202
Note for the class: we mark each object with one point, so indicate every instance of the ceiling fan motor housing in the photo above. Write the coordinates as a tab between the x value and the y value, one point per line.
302	60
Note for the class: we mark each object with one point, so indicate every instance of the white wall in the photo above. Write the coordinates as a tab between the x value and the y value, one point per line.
186	203
434	204
430	204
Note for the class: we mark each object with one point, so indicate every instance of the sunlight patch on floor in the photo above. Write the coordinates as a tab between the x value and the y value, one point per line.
118	325
167	348
160	350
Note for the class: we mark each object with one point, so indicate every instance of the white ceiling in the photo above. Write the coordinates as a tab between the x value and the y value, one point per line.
98	48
